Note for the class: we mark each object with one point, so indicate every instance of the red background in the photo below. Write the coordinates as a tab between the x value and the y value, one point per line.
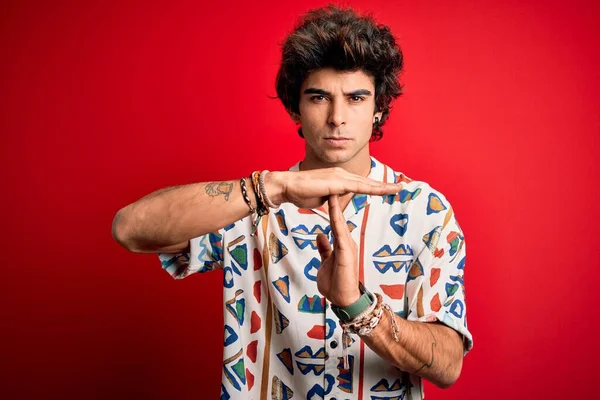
103	103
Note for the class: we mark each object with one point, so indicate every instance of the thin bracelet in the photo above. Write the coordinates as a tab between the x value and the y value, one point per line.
365	324
245	195
261	207
263	189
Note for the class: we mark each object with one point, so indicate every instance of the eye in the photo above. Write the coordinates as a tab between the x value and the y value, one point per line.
357	99
318	98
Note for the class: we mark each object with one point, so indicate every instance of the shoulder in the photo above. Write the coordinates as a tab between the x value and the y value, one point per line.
418	190
419	199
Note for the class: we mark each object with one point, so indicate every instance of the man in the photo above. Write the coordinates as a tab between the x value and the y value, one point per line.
291	298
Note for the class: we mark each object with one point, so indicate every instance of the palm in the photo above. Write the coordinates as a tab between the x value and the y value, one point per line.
324	276
337	278
310	189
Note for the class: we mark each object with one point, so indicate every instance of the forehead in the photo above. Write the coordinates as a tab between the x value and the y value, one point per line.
338	81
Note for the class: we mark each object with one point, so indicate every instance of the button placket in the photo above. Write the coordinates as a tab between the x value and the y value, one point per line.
333	347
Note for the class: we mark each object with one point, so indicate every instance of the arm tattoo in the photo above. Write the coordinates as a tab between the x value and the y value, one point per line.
214	189
433	344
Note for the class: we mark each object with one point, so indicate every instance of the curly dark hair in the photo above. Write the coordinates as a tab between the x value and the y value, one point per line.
339	38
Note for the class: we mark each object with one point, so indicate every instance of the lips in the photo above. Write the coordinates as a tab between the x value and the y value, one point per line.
337	141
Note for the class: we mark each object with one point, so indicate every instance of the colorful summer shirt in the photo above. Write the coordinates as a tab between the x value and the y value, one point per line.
281	339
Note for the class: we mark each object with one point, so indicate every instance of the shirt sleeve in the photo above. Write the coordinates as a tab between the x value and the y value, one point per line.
206	254
435	283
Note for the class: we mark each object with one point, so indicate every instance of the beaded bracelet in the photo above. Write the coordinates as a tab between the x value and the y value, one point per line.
364	324
261	206
263	189
355	324
261	209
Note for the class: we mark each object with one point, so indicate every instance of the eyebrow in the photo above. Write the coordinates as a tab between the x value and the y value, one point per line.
358	92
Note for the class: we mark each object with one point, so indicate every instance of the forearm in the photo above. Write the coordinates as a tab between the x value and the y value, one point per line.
170	217
430	350
177	214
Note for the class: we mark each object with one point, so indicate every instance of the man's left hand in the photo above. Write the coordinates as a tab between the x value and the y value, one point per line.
337	278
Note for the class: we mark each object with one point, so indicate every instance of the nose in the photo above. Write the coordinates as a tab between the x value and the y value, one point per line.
337	113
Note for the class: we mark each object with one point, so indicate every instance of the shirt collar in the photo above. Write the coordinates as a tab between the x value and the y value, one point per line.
359	201
376	171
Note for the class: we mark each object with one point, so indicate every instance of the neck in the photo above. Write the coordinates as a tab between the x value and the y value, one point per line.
359	165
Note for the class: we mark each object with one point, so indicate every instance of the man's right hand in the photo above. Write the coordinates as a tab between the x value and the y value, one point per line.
312	188
165	220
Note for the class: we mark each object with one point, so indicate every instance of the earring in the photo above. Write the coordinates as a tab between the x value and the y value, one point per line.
376	120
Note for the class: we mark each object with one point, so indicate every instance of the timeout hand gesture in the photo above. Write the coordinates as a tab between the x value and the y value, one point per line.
311	189
337	278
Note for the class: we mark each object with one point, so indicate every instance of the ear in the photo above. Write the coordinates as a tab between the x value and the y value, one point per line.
295	117
378	116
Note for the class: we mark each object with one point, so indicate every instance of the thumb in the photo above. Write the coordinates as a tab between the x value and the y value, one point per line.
323	246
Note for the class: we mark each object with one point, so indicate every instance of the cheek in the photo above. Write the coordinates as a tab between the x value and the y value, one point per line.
306	107
364	117
311	116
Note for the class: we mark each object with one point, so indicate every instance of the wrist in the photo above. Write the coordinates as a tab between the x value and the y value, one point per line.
347	300
274	187
346	310
247	182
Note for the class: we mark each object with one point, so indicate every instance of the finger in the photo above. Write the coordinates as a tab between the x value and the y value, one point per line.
360	184
339	227
379	183
323	246
368	181
380	189
349	175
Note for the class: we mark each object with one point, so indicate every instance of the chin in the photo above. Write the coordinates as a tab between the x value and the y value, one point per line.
337	157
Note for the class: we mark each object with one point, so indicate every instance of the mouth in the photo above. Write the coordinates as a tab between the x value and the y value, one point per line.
337	142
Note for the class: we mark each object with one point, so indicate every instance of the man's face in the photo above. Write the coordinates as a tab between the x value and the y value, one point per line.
337	115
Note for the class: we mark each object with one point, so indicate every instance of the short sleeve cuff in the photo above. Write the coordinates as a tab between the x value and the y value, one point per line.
451	321
176	265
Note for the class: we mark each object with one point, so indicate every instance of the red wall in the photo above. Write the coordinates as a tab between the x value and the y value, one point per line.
103	103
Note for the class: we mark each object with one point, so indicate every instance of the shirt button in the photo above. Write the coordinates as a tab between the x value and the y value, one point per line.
333	344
